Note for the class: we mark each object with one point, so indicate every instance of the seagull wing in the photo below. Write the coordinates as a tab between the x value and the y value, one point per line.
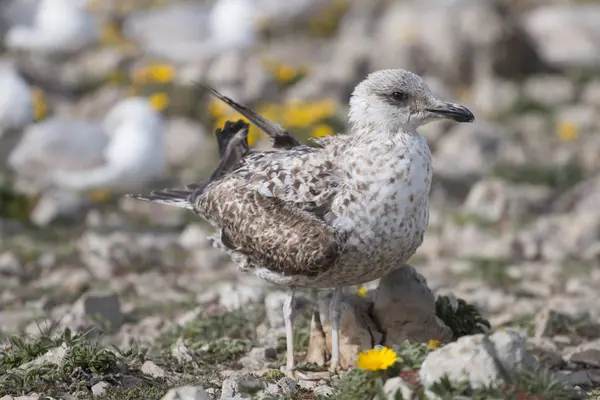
272	208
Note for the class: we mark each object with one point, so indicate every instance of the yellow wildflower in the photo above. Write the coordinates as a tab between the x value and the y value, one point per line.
99	195
433	344
322	130
159	101
110	34
362	291
376	359
40	108
567	131
217	109
154	73
285	73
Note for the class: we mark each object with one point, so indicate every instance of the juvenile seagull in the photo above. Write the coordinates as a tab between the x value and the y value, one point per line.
346	213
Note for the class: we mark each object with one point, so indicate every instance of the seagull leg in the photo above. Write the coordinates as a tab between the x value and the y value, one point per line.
288	316
336	316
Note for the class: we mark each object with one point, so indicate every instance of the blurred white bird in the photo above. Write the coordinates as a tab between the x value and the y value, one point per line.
188	32
16	102
59	26
126	149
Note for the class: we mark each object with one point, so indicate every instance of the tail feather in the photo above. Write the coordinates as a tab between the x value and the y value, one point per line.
280	137
183	198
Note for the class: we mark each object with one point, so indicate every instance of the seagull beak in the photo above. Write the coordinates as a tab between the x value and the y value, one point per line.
452	111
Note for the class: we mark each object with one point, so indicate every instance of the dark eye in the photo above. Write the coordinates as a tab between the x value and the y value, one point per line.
399	96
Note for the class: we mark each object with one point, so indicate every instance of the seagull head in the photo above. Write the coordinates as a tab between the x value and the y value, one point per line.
395	100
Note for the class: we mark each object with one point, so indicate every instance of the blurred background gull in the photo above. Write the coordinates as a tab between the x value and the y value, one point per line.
98	98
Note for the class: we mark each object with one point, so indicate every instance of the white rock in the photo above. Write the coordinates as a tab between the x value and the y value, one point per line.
233	296
550	90
100	388
495	199
591	93
181	352
9	264
566	34
473	359
396	385
240	386
150	368
404	308
52	356
187	393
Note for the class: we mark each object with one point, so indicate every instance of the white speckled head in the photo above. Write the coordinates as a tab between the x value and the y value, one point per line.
395	100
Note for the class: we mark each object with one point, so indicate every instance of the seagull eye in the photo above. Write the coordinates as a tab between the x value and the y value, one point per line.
399	96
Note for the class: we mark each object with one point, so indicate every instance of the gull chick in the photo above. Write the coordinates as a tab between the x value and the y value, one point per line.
347	212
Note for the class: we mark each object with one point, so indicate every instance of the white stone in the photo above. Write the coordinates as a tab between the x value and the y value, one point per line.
153	370
396	385
187	393
100	388
474	359
550	90
52	356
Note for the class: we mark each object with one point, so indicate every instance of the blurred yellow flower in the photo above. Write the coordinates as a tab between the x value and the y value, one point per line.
362	291
285	73
376	359
99	195
154	73
40	108
322	130
110	34
159	101
567	131
217	109
298	115
433	344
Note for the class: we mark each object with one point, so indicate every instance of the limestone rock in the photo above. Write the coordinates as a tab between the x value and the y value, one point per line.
404	308
476	359
187	393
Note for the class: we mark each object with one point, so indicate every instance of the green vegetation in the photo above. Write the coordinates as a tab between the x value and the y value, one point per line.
462	318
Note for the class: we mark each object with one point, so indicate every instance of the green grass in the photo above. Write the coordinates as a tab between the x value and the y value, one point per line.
464	319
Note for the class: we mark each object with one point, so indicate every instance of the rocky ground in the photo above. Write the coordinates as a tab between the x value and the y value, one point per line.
129	301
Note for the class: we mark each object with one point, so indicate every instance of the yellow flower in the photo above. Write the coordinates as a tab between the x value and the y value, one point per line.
433	344
99	195
40	108
217	109
110	34
154	73
285	73
362	291
567	131
322	130
376	359
159	101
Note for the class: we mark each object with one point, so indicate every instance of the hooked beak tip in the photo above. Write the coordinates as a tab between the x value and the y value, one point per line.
455	112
